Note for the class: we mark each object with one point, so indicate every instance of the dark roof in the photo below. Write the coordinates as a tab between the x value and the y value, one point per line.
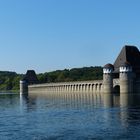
129	54
30	77
126	64
109	66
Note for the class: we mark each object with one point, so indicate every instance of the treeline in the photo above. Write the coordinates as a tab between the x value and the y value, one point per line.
75	74
10	80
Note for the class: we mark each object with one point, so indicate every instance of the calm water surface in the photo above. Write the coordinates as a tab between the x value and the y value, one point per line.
69	117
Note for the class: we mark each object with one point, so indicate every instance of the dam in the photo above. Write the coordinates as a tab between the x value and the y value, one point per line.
122	77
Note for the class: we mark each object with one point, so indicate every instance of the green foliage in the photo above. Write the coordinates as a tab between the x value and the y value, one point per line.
10	80
75	74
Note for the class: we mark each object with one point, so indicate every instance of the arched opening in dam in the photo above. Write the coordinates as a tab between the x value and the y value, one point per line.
116	90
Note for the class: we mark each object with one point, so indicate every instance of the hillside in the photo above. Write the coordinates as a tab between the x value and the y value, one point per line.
75	74
10	80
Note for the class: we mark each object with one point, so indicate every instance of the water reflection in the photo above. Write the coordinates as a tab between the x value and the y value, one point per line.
117	116
8	100
71	99
82	99
127	104
29	103
108	100
69	116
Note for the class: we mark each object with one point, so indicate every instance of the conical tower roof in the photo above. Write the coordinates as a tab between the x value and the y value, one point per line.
30	77
129	54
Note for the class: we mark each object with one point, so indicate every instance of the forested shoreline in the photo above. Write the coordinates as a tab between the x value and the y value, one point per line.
75	74
9	81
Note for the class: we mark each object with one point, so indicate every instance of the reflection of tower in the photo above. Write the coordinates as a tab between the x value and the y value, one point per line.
126	78
108	78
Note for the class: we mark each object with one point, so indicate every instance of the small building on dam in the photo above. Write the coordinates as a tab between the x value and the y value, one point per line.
121	77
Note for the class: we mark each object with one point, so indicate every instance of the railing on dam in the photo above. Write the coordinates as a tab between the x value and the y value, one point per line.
89	86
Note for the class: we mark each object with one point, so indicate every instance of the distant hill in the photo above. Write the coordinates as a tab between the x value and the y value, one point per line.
10	80
75	74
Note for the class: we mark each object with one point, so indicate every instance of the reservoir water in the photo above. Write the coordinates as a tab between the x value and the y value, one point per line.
67	117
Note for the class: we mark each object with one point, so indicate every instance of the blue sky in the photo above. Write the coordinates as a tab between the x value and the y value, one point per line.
47	35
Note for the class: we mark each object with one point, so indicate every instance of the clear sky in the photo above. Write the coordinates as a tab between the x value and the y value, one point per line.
47	35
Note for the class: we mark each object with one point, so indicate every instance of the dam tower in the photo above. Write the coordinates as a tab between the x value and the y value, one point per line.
108	78
30	78
126	78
